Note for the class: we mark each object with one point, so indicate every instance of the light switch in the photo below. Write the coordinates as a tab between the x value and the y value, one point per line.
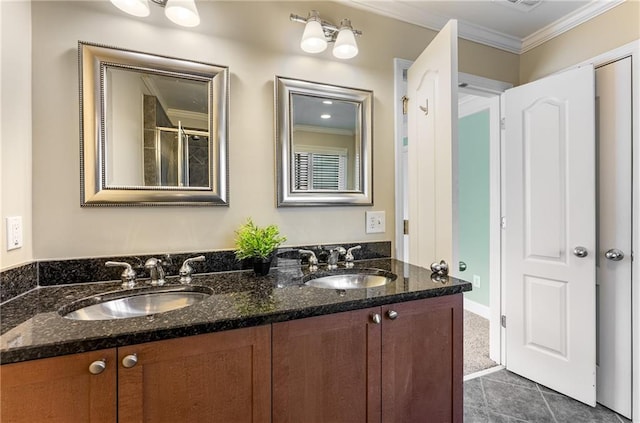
476	281
14	232
375	223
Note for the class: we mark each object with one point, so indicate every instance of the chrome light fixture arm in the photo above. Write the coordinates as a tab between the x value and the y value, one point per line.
330	30
318	33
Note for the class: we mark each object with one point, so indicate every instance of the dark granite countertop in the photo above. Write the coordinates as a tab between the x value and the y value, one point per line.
31	326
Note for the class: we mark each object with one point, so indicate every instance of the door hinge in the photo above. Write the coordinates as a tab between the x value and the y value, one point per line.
503	222
502	123
503	321
405	228
405	104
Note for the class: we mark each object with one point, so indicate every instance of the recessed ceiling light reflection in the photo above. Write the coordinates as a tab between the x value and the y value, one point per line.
327	102
325	116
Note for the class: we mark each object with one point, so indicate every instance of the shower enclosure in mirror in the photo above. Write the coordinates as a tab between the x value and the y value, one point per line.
153	129
323	144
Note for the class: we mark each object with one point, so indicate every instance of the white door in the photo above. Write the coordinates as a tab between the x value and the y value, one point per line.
432	89
550	240
613	286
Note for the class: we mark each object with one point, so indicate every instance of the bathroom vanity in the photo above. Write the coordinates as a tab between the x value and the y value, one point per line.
259	349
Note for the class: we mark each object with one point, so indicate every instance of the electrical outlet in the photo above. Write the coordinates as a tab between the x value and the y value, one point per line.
476	281
375	223
14	232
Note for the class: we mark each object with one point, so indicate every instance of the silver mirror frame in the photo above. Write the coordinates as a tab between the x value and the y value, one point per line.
286	195
92	62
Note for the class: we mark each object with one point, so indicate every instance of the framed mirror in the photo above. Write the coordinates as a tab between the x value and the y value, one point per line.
323	144
153	129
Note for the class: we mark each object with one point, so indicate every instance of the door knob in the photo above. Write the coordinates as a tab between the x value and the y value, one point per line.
392	314
130	360
462	266
614	254
97	367
375	318
580	252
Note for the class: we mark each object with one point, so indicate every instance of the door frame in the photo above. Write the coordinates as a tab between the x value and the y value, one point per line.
631	49
491	103
482	87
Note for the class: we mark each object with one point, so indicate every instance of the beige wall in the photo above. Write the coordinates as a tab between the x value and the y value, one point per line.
15	127
257	41
615	28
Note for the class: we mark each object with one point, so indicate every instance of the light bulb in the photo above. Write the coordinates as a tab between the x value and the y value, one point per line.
182	12
313	40
138	8
345	47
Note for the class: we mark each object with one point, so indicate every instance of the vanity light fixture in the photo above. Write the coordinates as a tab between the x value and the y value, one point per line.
318	34
181	12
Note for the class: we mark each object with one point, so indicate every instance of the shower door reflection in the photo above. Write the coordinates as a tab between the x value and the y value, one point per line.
180	158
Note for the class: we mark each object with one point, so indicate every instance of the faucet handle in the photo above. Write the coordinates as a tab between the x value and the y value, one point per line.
128	275
313	260
349	255
186	270
348	258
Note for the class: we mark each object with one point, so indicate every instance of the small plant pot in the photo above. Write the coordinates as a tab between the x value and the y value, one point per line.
262	266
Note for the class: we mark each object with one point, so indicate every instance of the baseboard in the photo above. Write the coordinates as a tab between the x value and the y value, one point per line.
477	308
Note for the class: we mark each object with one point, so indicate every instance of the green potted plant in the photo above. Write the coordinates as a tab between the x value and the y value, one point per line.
254	242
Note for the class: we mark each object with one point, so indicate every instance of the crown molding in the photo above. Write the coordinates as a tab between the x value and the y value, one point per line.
407	13
582	15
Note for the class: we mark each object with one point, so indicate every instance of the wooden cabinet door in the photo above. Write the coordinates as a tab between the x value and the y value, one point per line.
327	369
422	361
217	377
59	390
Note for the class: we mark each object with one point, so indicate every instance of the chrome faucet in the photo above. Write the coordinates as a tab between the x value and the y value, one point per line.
313	260
186	270
334	257
348	258
156	272
128	275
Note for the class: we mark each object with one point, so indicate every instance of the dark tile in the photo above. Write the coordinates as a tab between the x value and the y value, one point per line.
473	394
501	418
515	401
568	410
475	415
546	390
506	376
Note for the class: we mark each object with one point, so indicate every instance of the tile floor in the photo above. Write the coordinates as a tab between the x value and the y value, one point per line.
505	397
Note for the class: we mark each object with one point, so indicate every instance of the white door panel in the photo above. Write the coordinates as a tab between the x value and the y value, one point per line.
550	210
614	358
432	89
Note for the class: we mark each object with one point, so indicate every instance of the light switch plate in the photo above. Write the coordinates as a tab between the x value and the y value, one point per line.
476	281
14	232
375	223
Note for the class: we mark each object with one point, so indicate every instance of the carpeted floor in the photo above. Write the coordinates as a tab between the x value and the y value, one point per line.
476	343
